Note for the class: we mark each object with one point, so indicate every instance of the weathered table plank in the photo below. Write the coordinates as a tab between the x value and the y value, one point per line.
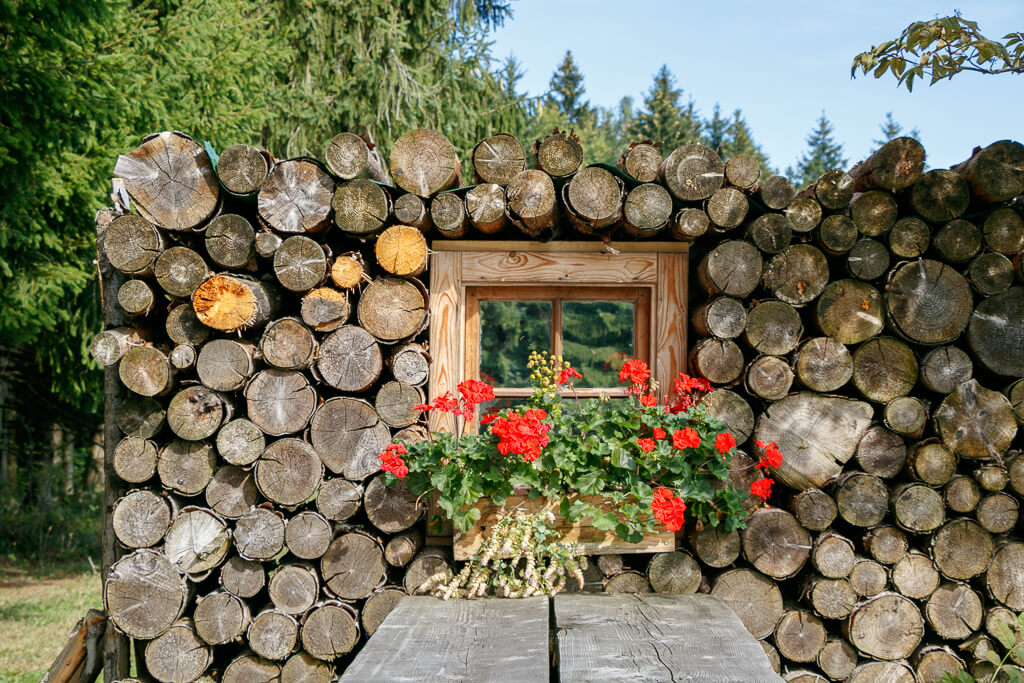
426	639
655	638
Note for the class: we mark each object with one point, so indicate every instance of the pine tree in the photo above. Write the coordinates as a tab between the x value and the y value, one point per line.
738	140
566	91
663	118
716	128
891	129
823	153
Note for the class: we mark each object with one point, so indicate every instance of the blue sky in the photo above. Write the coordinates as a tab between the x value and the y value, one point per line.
781	62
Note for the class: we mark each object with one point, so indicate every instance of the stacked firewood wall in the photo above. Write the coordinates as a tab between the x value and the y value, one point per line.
268	321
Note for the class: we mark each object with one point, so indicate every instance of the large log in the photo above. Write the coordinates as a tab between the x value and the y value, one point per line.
339	499
647	210
833	190
531	202
837	234
132	244
301	667
995	173
1004	579
242	169
140	519
775	192
868	260
775	543
770	232
674	573
330	630
715	547
823	364
975	422
931	462
799	636
289	472
873	212
401	250
928	302
498	158
273	634
401	549
996	330
732	268
392	309
241	577
850	311
144	594
804	214
998	512
962	549
280	401
689	224
230	241
833	555
353	566
861	498
300	264
720	361
962	493
348	436
814	509
225	364
830	598
642	161
990	273
954	611
287	344
559	154
307	535
837	659
593	200
485	205
230	302
146	371
945	368
884	368
296	198
769	377
178	655
797	275
722	317
727	208
378	605
693	172
742	171
906	415
754	598
894	166
197	542
350	156
250	668
293	588
939	196
957	241
186	466
888	626
391	509
349	359
396	404
231	492
932	662
143	417
325	309
868	578
886	544
732	410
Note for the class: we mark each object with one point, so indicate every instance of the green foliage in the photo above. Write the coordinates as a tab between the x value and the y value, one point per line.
823	153
891	130
664	117
738	140
939	49
566	91
1011	638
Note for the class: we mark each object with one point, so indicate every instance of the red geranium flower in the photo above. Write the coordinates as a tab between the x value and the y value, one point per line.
391	462
762	488
772	455
668	508
568	374
724	443
634	371
686	438
488	418
646	445
476	392
524	434
659	433
648	400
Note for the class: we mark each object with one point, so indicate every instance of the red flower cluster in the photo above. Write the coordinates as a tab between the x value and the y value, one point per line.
474	392
772	455
392	462
646	445
523	434
683	397
636	373
648	400
762	488
567	374
659	433
668	508
686	437
724	443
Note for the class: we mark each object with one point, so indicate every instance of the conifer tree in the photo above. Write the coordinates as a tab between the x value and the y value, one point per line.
823	153
738	140
891	129
566	91
664	118
715	128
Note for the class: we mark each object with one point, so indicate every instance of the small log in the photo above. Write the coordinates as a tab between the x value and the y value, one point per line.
231	492
178	655
135	459
975	422
732	268
559	154
776	192
132	244
874	212
325	309
401	250
196	413
886	544
240	442
273	634
400	550
353	566
909	237
958	241
183	327
715	547
642	162
593	200
830	598
990	273
136	298
183	356
197	541
349	359
939	196
954	611
350	156
146	371
485	205
242	169
931	462
241	577
531	202
862	499
143	418
498	158
396	404
915	576
995	331
1003	231
693	172
850	311
628	581
769	377
868	260
301	667
797	275
410	364
300	264
728	208
289	472
772	654
250	668
803	676
267	243
259	534
962	493
411	210
881	453
995	173
804	214
109	346
773	327
280	401
906	415
868	578
221	618
230	241
732	410
837	234
225	364
775	543
424	163
392	309
140	519
287	344
448	214
742	171
992	477
296	198
722	317
339	499
1004	580
935	661
823	364
998	512
144	594
894	166
307	535
814	509
770	232
754	598
391	508
945	368
330	630
833	556
378	605
675	573
890	672
799	636
230	302
917	508
720	361
888	626
837	659
647	210
834	190
689	224
1016	472
962	549
427	570
348	436
293	588
186	466
884	368
179	270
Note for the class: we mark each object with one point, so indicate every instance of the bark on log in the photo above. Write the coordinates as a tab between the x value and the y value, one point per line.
144	594
353	566
906	415
593	200
769	377
975	422
830	598
873	212
330	630
221	618
242	169
296	197
250	668
485	205
300	264
995	331
378	605
140	519
559	154
814	509
531	202
797	275
915	576
799	636
773	327
962	494
804	214
448	214
400	550
647	210
392	309
837	659
833	556
722	317
196	413
728	208
884	368
742	171
776	192
732	268
146	371
498	158
391	508
241	577
954	611
720	361
862	499
881	453
693	172
868	260
990	273
770	232
240	442
178	655
143	418
917	508
868	578
962	549
293	588
280	402
425	571
754	598
893	167
850	311
715	547
259	534
348	436
998	512
186	466
289	472
823	364
675	573
197	542
231	492
350	156
136	298
1003	231
888	626
229	303
135	459
689	224
732	410
396	404
273	635
837	234
931	462
339	499
995	173
301	667
307	535
230	241
775	543
642	161
910	237
928	302
886	543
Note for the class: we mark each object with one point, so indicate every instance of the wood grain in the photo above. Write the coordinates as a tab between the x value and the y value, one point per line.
446	311
550	268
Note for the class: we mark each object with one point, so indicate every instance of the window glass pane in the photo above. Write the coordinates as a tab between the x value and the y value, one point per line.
509	331
597	337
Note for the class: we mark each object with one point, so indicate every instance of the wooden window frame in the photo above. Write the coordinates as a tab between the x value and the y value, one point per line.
459	268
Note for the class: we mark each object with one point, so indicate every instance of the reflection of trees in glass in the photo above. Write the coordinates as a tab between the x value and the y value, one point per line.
597	336
509	331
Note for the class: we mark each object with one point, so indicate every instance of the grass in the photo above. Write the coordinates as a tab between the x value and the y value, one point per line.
37	612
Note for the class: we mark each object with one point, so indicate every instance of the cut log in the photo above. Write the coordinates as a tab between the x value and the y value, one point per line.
135	459
797	275
330	630
693	172
647	210
287	344
837	234
722	317
773	327
301	667
347	271
732	268
910	237
242	169
862	499
881	453
412	210
267	243
945	368
833	556
769	377
349	359
814	509
754	598
353	566
178	655
962	549
728	207
400	550
109	346
990	273
498	158
837	659
140	519
890	672
906	415
300	264
1003	231
198	541
350	156
817	434
675	573
241	577
830	598
396	404
720	361
887	544
307	535
799	636
772	654
823	364
954	611
280	401
996	330
410	364
1016	472
485	205
179	270
868	260
240	442
939	196
401	250
776	192
293	588
226	365
868	578
171	180
689	224
221	618
559	154
448	214
378	605
931	462
894	166
992	477
884	368
132	244
146	371
186	466
325	309
143	418
975	422
873	212
732	410
531	202
1005	580
935	661
231	492
296	198
183	327
804	214
715	547
775	543
136	298
888	626
196	413
770	232
850	311
427	570
998	512
183	356
391	508
962	493
273	635
915	576
628	581
995	173
144	594
917	508
392	309
289	472
230	302
348	436
642	162
742	171
230	241
339	499
834	190
259	534
593	200
957	241
249	668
